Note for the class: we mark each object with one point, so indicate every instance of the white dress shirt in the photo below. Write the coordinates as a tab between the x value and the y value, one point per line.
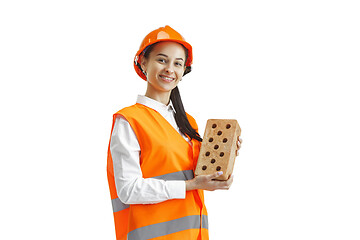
131	187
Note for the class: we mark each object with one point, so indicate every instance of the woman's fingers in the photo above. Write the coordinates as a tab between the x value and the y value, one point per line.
224	185
215	175
238	144
208	182
230	181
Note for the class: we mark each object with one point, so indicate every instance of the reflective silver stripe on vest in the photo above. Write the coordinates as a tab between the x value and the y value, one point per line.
205	222
118	205
182	175
165	228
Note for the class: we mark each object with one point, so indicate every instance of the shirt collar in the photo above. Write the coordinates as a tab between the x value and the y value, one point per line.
157	106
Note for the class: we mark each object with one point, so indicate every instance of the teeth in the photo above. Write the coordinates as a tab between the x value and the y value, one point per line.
167	78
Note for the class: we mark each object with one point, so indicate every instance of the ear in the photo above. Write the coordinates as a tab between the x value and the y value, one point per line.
143	63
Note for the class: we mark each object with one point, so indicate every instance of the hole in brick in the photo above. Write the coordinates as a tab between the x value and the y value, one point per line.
214	125
218	168
224	140
207	154
216	147
211	139
219	133
204	167
228	126
222	154
213	160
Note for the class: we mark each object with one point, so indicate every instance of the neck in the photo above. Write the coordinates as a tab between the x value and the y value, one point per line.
163	97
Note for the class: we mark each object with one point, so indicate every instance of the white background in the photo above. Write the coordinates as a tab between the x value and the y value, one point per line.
288	71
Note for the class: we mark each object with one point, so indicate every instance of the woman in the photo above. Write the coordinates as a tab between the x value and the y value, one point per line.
154	148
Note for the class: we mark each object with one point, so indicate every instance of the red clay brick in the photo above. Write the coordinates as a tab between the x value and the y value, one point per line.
218	149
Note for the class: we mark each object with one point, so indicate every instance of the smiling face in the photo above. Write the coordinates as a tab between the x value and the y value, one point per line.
164	67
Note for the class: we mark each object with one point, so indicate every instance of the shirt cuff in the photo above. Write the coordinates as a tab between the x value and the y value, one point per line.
177	189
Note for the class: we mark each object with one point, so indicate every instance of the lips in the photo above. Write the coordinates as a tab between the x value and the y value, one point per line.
167	78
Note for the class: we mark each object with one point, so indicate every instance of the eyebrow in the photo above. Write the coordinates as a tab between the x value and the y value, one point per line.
164	55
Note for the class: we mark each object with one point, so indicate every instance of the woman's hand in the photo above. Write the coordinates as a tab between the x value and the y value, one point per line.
206	182
238	145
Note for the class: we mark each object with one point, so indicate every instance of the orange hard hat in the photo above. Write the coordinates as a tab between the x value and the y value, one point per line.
161	35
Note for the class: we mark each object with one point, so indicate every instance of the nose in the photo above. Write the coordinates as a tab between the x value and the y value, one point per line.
169	69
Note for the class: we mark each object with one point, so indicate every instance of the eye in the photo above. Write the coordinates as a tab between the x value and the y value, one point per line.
179	64
161	60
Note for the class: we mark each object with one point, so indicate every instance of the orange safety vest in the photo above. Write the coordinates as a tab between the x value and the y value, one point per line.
165	154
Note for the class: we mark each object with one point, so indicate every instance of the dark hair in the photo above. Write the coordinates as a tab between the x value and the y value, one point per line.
180	116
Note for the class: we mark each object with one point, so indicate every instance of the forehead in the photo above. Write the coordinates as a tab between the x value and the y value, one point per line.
171	49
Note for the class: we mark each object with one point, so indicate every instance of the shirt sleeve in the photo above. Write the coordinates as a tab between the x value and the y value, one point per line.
131	187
